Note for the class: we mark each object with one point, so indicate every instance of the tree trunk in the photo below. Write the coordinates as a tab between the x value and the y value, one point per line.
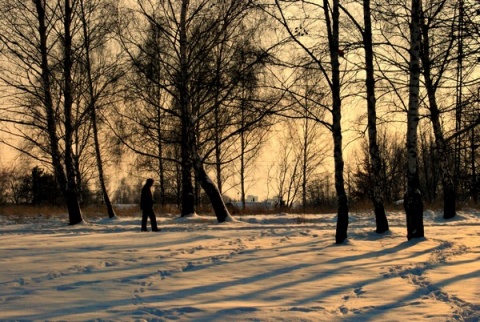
333	39
221	211
413	203
101	178
72	188
243	149
305	151
242	170
444	169
376	162
155	94
449	193
459	95
161	163
218	150
188	196
93	116
342	201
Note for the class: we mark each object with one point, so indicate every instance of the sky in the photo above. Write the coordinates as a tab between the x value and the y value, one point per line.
280	267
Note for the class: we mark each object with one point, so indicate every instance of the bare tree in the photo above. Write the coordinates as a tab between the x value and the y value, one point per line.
196	86
376	161
331	72
288	176
250	139
446	49
413	197
250	145
431	85
309	148
40	61
101	75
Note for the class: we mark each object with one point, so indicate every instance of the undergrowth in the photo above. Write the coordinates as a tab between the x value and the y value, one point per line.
133	210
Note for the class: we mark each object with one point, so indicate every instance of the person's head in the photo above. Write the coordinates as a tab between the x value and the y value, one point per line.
149	182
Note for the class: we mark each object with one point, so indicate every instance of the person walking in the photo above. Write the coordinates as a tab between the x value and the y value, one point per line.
146	204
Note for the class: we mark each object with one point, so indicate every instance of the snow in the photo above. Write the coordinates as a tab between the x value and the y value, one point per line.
282	267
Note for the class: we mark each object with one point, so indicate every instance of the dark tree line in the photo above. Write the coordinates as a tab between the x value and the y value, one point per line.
37	188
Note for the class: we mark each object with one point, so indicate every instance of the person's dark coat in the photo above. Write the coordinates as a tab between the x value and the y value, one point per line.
146	198
146	204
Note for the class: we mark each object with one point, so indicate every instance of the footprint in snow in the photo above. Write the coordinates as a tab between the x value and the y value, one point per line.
358	291
164	274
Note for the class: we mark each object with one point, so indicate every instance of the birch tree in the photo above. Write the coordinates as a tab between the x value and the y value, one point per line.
413	197
39	55
330	68
194	33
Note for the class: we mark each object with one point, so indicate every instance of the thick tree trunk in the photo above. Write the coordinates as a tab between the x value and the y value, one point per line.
413	203
72	188
187	142
74	212
376	162
342	201
188	195
342	215
449	196
216	200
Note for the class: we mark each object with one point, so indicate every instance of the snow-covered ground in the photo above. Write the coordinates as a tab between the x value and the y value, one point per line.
281	267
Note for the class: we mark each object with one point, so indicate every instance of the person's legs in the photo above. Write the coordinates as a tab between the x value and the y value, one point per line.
153	221
144	220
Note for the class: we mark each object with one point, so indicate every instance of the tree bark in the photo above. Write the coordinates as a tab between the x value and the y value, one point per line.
376	162
413	203
74	212
216	200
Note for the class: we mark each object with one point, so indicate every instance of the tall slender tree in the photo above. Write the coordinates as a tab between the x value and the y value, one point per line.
413	197
433	77
331	72
375	156
96	29
378	196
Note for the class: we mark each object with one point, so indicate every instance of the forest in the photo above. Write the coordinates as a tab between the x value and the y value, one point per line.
350	102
